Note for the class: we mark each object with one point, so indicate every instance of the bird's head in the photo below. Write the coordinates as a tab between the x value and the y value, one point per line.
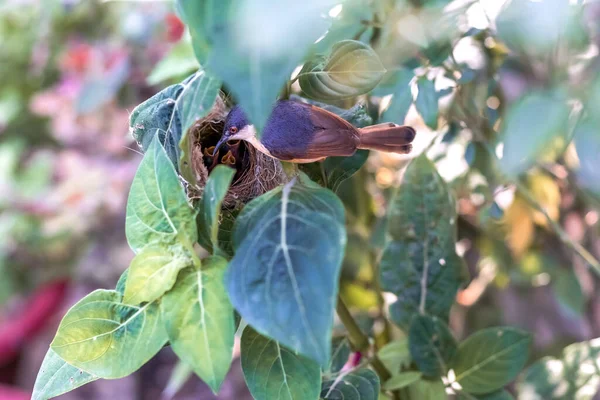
236	127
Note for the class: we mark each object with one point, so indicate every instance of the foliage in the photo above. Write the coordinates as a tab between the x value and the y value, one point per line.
348	232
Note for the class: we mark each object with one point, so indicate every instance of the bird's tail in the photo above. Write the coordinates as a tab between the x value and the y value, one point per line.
387	137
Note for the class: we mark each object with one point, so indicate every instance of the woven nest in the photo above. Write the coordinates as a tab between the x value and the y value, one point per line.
256	173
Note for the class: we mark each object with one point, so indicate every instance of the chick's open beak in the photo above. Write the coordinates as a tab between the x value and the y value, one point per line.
219	144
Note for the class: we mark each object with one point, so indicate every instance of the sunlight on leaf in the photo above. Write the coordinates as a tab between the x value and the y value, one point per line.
351	69
199	321
107	338
158	212
152	272
573	376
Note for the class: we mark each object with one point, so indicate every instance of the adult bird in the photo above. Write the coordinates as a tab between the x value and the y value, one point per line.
302	133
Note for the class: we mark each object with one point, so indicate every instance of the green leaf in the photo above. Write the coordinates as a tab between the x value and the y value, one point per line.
214	192
358	385
340	351
568	292
158	213
532	125
283	279
106	338
153	272
427	102
199	321
536	27
259	43
395	355
179	61
402	380
351	69
498	395
338	169
347	25
419	264
170	113
573	376
402	99
274	372
57	377
430	390
587	143
121	282
432	346
491	358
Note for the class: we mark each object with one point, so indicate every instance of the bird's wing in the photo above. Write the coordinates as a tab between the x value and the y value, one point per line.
328	135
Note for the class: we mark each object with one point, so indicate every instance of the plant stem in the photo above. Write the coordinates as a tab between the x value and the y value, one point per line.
359	341
562	235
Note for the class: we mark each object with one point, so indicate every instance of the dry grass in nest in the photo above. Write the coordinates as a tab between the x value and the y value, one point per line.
256	173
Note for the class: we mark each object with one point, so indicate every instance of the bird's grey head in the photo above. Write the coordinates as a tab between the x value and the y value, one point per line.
236	127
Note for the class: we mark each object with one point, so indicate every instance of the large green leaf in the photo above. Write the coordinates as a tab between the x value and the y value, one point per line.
430	390
57	377
395	355
532	125
107	338
152	272
275	372
199	321
255	45
284	276
427	102
351	69
491	358
432	346
357	385
419	264
402	380
170	113
573	376
208	218
158	213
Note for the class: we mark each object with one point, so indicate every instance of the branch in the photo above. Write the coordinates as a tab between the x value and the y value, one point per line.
359	341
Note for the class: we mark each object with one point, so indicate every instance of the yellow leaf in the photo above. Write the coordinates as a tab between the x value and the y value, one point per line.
547	193
518	219
355	295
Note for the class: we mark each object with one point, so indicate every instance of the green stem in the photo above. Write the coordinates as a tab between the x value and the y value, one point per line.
359	341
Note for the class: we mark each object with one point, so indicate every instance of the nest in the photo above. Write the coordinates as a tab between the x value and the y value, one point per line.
256	173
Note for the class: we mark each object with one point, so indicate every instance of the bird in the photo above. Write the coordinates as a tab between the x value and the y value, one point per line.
302	133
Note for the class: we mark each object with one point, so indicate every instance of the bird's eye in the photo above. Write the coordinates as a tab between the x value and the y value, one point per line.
233	129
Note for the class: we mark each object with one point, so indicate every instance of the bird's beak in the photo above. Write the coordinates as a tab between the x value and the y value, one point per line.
219	144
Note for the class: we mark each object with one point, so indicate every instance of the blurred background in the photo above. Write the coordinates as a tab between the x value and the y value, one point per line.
71	71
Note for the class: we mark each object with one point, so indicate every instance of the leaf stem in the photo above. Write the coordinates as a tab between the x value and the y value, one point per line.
359	341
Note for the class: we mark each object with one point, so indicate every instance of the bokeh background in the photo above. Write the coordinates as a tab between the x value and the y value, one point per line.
71	71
